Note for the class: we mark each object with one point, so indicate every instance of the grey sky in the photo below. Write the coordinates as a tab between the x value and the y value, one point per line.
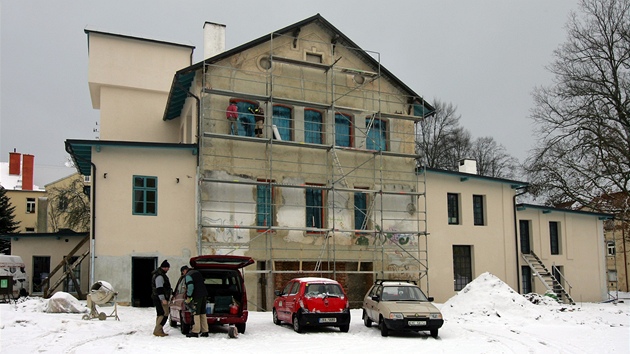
484	56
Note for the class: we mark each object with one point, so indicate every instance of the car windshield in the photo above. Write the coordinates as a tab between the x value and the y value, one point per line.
332	290
403	293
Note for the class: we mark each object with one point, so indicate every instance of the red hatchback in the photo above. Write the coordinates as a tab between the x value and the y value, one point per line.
312	302
227	298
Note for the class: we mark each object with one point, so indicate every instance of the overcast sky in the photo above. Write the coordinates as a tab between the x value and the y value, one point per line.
484	56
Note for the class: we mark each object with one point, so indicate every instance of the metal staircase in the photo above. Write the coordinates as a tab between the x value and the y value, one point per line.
547	278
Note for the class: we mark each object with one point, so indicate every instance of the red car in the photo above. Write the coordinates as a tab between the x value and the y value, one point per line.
227	298
312	302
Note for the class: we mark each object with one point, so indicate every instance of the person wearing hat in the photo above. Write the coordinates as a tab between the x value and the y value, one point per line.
196	298
160	293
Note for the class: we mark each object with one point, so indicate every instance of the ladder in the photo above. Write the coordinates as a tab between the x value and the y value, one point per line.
546	277
338	165
67	273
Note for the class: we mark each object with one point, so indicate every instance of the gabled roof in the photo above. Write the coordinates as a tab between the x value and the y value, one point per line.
183	78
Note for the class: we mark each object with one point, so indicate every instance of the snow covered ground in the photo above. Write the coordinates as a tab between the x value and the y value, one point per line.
485	317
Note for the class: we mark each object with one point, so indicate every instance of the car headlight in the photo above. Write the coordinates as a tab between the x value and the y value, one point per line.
435	316
396	316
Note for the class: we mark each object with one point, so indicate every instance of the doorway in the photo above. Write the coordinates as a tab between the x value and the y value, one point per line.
141	269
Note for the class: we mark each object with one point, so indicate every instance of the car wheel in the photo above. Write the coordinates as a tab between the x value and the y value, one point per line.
296	324
366	319
183	326
344	328
434	333
240	327
275	317
383	327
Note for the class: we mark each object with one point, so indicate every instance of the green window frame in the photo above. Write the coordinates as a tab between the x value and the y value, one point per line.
264	205
145	195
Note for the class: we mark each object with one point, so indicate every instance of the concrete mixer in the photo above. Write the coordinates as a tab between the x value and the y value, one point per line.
102	294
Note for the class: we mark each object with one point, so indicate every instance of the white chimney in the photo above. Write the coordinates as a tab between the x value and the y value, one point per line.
468	166
213	39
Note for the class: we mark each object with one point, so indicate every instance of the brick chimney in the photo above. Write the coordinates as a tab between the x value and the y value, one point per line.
27	172
15	159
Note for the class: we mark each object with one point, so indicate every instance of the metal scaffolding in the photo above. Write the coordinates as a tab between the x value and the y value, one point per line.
332	187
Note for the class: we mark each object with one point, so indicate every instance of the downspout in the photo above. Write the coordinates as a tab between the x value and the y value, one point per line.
516	239
198	136
93	207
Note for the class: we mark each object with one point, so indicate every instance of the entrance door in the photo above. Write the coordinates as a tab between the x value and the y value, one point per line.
141	269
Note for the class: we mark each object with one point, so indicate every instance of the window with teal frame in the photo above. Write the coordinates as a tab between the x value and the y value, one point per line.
314	208
313	126
282	119
376	135
264	205
343	130
144	195
360	211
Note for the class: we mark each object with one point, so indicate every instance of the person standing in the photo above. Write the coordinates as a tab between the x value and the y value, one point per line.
197	297
231	113
160	293
259	117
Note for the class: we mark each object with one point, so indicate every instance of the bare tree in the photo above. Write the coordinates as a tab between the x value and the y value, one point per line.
492	159
69	207
583	119
441	141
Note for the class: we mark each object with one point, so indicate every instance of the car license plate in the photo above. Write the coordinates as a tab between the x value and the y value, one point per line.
327	320
417	323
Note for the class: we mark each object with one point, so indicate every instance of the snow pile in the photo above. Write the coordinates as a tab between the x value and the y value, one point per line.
488	296
64	303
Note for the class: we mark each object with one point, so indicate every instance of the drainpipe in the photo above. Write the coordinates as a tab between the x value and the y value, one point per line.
516	243
93	207
199	140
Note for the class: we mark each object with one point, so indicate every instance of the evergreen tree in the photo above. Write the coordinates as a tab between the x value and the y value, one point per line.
7	223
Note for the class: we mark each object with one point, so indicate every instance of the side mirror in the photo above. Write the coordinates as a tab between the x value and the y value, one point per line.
375	298
277	292
430	298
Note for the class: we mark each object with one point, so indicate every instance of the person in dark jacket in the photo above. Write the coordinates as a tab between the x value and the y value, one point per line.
160	293
259	117
197	297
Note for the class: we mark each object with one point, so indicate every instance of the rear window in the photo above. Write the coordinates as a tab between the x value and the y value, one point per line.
323	289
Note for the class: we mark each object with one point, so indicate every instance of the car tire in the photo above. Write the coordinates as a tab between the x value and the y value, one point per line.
275	318
434	333
366	319
296	324
344	328
185	328
240	327
383	327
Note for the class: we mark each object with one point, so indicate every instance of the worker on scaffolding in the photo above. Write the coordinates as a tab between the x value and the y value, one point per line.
259	117
161	292
231	113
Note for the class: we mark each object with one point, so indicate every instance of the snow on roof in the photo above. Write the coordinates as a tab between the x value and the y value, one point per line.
13	182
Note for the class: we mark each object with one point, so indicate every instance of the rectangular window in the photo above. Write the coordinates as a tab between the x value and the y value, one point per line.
343	130
313	126
68	285
264	205
554	237
360	211
376	138
478	210
526	281
462	266
283	120
30	205
30	229
612	275
453	208
610	247
525	236
314	58
314	208
41	269
144	195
